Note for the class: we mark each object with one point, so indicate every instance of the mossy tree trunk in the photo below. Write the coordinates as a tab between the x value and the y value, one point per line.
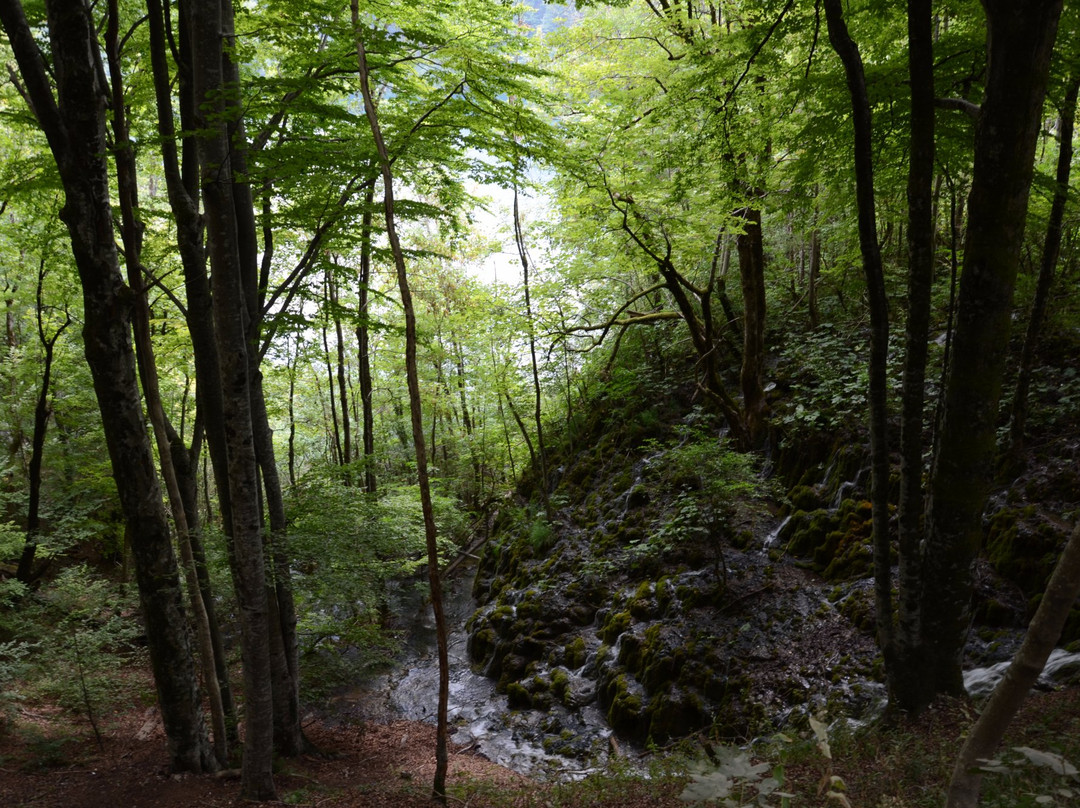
1021	39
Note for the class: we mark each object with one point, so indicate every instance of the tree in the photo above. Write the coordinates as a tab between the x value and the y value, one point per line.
74	124
1020	43
439	785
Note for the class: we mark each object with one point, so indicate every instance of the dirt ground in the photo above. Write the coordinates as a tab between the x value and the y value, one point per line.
43	766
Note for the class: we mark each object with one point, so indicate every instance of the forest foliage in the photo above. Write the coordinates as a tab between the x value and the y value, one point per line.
670	186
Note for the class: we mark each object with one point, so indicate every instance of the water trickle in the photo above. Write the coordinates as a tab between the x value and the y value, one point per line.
1061	667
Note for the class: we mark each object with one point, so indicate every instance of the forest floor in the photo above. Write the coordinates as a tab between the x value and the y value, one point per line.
50	760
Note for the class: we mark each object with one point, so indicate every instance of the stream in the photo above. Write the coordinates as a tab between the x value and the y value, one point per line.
479	718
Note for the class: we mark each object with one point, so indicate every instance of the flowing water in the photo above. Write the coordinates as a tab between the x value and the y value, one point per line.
480	718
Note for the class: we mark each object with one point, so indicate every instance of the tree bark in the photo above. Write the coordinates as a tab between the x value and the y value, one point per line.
131	228
42	411
752	277
74	124
1027	664
848	52
1047	266
230	320
902	678
1021	39
523	255
363	339
441	744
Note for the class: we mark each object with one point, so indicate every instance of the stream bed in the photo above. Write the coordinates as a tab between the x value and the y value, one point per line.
479	718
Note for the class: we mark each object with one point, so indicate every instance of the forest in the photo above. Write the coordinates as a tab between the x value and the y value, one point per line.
706	374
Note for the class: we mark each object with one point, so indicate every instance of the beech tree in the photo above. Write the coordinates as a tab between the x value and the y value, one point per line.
73	120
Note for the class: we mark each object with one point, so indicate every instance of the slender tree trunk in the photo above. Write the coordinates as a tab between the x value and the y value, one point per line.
1021	37
523	254
441	760
814	274
1047	267
292	415
42	411
336	430
752	279
848	52
363	339
902	678
74	124
343	390
1041	637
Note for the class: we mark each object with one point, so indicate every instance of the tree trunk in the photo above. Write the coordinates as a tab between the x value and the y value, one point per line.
74	124
1051	250
1021	39
848	52
441	759
523	254
127	188
25	571
752	278
230	312
363	337
1027	664
814	275
920	232
343	391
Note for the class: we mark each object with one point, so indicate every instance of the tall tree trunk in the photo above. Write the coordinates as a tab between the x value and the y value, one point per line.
848	52
752	280
335	444
231	330
920	232
343	390
1021	39
74	124
814	274
1051	250
523	254
131	228
441	760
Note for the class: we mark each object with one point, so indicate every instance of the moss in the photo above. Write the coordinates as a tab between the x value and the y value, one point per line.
574	655
624	710
630	652
664	593
805	498
518	696
615	624
560	685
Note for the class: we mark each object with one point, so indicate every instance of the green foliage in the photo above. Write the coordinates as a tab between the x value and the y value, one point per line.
13	668
731	778
829	381
92	638
712	485
1025	777
348	549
